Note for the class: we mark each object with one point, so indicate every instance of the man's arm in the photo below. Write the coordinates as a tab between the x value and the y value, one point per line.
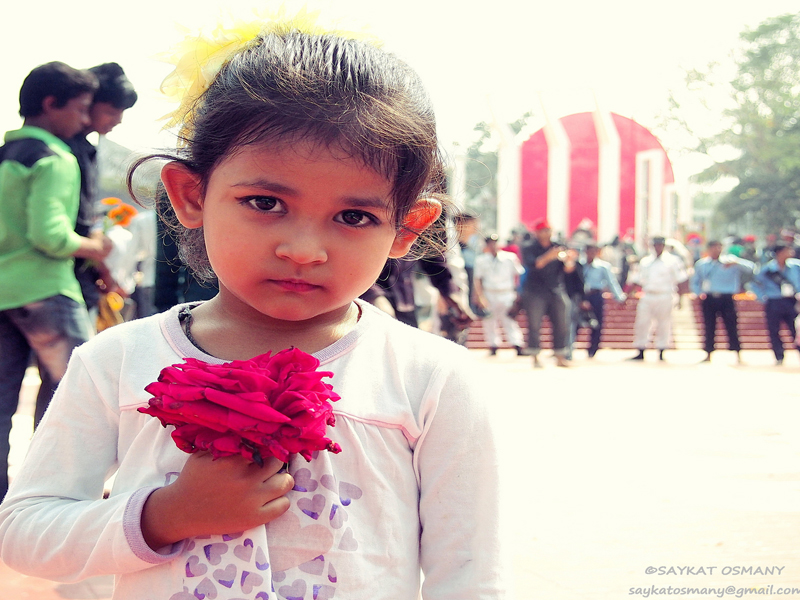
681	276
51	222
478	299
614	286
570	260
549	256
95	247
696	281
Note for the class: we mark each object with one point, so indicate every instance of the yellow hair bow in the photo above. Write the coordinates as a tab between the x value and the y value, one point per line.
200	56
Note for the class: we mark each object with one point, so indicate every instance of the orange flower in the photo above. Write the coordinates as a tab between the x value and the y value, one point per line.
122	215
110	201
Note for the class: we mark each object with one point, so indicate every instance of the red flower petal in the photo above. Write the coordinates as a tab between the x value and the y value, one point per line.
271	405
239	403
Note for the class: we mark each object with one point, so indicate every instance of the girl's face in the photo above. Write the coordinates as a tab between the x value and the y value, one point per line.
295	232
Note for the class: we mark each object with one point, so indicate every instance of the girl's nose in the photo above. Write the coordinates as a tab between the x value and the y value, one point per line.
302	248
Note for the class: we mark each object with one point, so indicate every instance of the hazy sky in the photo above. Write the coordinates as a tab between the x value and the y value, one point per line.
471	55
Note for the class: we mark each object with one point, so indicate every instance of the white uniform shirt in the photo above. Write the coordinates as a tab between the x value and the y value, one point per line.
498	273
661	274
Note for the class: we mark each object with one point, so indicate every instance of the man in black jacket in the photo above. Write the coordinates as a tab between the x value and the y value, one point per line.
544	292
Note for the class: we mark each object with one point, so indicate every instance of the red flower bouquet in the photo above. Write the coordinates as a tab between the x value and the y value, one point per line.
270	405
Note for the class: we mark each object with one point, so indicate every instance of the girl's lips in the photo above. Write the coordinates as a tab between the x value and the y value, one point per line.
295	285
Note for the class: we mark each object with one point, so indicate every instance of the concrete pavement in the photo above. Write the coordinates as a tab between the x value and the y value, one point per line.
618	467
614	467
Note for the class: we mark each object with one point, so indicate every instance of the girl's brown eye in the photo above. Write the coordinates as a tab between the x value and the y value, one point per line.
357	218
263	203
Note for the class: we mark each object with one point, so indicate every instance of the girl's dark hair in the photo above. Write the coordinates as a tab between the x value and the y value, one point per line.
344	94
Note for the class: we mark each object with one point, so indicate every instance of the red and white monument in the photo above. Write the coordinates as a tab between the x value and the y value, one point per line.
595	165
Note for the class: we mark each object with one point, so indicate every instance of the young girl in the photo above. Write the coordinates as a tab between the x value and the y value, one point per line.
307	162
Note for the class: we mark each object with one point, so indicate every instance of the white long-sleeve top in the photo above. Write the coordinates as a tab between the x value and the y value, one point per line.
415	486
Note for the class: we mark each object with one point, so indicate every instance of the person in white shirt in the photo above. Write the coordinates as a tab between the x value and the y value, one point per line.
658	277
496	280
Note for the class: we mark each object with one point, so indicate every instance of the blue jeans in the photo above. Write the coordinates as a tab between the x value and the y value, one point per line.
49	328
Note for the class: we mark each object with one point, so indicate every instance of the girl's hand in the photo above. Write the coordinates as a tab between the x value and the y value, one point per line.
226	495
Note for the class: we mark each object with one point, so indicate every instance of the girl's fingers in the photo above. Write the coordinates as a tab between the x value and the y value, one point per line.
271	466
274	509
278	485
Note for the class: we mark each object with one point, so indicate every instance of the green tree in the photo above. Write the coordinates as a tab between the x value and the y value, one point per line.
760	126
481	171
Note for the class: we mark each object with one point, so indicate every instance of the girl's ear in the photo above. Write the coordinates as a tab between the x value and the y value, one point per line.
421	216
183	188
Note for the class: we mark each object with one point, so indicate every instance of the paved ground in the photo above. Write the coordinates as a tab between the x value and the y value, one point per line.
630	466
614	467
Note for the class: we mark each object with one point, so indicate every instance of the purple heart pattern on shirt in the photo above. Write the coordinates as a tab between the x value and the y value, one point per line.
244	551
226	569
314	567
323	592
261	560
300	559
347	492
303	482
292	543
296	591
337	517
313	507
194	568
295	567
348	542
226	576
250	581
214	552
205	589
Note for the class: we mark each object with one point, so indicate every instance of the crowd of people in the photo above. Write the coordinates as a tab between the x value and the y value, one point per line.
570	281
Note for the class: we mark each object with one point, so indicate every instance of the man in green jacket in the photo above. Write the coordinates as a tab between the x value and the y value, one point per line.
41	307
